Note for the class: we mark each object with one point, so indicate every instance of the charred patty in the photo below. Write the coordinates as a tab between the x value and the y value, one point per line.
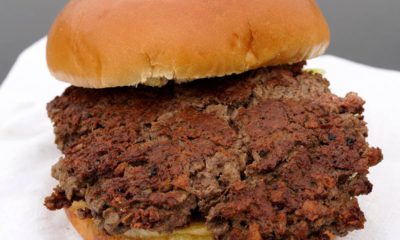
270	151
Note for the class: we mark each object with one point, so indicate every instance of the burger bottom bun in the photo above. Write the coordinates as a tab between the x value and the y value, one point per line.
89	231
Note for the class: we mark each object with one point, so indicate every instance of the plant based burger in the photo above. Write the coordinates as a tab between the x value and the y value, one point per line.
197	120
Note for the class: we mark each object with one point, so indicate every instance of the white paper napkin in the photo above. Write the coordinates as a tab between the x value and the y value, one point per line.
27	151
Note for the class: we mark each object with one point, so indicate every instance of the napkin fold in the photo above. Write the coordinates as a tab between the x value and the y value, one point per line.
27	151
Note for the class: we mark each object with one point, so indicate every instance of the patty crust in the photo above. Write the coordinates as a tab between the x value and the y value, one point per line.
270	151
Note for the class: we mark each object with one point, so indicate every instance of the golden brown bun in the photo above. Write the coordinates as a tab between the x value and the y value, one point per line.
88	230
103	43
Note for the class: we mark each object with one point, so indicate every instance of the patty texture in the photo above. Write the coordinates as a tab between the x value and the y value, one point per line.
267	154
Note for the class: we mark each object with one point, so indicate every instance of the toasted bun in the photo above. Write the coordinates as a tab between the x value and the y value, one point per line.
102	43
88	230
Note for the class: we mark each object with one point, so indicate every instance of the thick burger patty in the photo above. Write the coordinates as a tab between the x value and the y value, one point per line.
271	153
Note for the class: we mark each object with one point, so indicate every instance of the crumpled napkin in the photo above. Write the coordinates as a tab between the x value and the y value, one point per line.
27	151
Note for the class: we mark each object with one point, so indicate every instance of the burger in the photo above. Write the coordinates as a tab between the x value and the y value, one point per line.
198	120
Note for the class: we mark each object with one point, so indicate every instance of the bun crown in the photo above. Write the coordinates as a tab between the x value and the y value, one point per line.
102	43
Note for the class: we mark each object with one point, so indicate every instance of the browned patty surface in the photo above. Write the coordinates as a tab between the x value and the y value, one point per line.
270	151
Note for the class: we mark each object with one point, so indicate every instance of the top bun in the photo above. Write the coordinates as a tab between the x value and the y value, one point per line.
103	43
